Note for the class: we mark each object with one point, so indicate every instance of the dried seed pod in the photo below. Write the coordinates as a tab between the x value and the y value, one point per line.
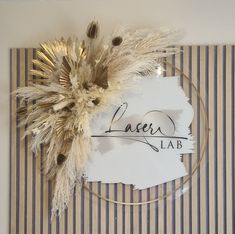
61	159
117	41
96	101
93	30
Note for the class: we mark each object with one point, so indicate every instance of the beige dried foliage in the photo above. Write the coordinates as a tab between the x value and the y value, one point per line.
74	80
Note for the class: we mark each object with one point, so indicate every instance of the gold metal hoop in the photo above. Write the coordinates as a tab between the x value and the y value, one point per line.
185	178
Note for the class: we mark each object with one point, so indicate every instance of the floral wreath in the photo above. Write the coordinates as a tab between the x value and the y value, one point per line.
72	81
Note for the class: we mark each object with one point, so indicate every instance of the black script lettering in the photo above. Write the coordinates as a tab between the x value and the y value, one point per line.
139	127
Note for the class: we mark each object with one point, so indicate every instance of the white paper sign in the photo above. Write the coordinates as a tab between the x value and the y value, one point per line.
140	140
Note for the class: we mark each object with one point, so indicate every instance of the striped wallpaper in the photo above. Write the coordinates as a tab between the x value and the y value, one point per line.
206	204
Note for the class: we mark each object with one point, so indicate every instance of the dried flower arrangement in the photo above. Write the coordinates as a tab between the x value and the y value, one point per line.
73	81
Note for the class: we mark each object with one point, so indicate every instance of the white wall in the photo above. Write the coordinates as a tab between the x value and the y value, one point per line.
25	23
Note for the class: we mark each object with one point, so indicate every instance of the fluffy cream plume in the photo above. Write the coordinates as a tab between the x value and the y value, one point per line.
73	81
